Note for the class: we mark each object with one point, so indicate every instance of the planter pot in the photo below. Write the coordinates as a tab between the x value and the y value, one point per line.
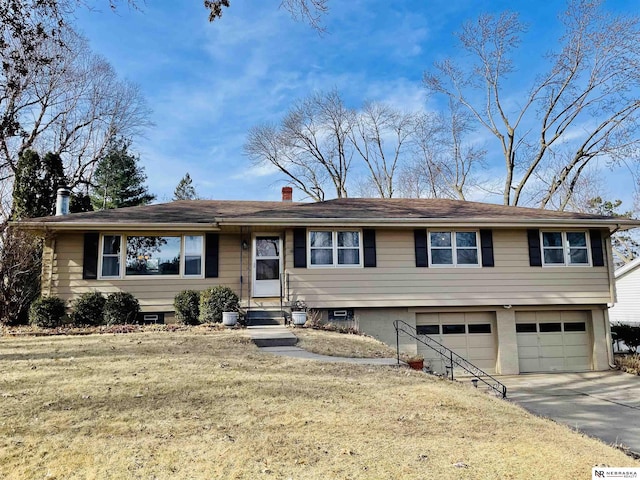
299	318
229	319
416	364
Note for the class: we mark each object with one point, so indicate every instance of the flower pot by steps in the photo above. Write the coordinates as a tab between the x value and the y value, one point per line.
416	364
229	319
299	318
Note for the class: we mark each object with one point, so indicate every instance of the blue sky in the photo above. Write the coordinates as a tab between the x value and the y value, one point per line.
207	84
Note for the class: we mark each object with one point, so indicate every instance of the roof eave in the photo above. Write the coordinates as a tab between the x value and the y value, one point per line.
454	222
116	227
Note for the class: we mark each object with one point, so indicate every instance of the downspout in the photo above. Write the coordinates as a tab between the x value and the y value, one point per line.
613	293
612	364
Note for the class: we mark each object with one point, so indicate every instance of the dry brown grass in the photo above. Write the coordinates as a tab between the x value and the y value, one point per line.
629	363
183	405
342	344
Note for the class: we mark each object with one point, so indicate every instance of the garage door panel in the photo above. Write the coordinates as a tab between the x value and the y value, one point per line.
554	349
573	316
530	365
547	317
527	340
477	348
578	363
481	341
571	339
479	317
574	351
552	364
551	340
482	353
528	352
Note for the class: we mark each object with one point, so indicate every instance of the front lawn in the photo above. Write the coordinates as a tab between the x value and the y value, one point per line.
172	405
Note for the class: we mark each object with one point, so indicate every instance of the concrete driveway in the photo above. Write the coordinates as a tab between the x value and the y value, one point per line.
605	405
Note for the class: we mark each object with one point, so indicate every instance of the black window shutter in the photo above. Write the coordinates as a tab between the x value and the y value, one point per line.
369	242
211	255
486	244
597	252
300	248
90	256
535	257
420	237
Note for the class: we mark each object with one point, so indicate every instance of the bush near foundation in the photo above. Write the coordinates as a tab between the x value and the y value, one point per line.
629	334
88	309
215	300
47	312
187	307
121	308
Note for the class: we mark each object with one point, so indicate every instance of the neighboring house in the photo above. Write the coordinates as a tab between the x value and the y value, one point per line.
511	289
627	305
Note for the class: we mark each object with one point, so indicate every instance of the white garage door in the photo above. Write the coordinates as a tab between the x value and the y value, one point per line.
555	341
470	335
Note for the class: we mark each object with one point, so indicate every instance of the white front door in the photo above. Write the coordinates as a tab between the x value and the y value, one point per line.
267	265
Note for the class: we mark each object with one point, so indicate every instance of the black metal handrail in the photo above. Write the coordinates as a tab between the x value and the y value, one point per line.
448	355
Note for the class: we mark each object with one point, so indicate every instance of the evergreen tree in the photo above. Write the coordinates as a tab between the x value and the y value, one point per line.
119	180
80	202
36	184
185	189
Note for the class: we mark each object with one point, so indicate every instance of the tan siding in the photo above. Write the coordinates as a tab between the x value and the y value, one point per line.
154	293
397	282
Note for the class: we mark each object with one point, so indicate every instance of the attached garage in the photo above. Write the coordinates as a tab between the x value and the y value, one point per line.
554	341
472	335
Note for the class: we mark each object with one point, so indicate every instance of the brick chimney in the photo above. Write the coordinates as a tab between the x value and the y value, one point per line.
287	194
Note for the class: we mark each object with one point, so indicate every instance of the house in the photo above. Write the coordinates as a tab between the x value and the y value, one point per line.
511	289
627	306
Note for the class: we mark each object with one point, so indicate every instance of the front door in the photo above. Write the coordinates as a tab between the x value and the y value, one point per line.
267	264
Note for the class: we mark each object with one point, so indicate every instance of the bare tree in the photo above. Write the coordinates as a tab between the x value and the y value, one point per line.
444	161
379	136
583	108
309	11
311	146
71	105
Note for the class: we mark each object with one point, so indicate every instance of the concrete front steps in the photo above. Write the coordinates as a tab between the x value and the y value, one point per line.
262	317
272	336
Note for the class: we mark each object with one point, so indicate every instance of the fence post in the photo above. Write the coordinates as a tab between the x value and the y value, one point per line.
395	324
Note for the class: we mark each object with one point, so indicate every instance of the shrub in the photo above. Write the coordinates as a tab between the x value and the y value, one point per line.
88	309
629	334
120	307
47	312
216	300
187	307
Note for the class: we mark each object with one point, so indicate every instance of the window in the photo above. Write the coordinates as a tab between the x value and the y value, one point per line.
110	256
479	327
453	329
550	327
193	255
428	329
565	248
575	327
152	256
453	249
334	248
526	328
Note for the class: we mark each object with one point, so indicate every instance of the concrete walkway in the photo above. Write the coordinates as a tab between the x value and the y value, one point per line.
605	405
280	340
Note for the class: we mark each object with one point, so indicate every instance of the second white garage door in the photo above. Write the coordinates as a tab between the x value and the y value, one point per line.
469	334
553	341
